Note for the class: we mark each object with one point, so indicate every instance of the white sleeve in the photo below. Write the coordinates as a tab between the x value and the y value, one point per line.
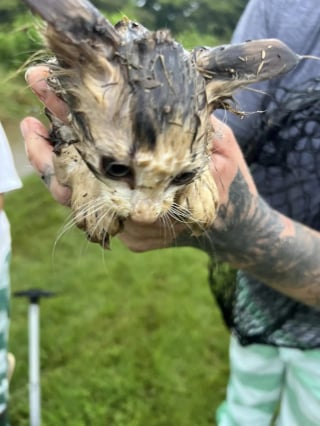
9	178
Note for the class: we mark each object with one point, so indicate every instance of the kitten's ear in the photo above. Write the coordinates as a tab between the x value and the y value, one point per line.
227	68
75	29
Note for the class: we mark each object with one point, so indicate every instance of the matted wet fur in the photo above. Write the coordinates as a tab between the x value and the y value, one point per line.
137	138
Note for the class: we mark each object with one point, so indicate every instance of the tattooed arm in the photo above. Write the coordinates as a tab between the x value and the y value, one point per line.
248	233
280	252
252	236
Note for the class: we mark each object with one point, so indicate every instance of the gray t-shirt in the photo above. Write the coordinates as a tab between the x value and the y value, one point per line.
292	185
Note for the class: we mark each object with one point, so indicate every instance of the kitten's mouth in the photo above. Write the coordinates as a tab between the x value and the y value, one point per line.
144	217
104	241
146	208
104	237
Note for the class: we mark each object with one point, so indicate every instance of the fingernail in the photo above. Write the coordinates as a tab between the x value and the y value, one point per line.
39	87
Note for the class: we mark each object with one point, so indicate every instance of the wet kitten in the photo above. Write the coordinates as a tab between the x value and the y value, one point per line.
137	139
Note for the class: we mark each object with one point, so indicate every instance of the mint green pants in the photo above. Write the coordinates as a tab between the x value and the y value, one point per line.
265	380
5	251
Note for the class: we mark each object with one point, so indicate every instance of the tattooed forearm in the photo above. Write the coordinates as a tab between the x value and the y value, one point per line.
281	253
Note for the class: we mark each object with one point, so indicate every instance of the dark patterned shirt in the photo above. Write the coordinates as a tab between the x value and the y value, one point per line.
282	147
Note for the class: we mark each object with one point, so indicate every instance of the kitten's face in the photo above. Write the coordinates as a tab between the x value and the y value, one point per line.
142	166
141	133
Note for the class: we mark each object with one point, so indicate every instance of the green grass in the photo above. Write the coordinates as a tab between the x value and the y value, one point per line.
129	340
17	99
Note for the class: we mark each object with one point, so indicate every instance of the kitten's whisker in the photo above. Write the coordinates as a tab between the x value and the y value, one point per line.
102	218
180	214
168	228
69	223
89	207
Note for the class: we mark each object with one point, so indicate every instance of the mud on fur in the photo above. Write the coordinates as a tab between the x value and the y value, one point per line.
136	143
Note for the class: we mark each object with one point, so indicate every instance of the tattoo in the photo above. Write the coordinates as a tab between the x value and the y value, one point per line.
282	253
47	175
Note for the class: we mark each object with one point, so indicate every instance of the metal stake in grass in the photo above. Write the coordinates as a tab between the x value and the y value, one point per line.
34	296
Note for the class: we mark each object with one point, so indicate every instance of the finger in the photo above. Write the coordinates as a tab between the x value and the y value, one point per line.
227	158
36	77
223	137
140	237
39	152
38	149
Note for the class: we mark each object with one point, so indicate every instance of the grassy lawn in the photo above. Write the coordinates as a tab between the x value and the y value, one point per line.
129	340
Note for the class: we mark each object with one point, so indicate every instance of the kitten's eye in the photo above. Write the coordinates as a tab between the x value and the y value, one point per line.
183	178
114	170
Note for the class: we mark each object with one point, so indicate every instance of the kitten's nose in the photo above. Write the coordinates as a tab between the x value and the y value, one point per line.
143	217
144	212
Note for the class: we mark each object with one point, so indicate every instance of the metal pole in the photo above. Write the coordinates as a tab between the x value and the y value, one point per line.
34	365
34	296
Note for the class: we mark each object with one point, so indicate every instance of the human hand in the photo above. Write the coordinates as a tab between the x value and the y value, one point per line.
36	137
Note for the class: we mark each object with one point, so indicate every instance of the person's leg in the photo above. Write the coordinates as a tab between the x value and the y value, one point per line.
5	247
300	401
255	382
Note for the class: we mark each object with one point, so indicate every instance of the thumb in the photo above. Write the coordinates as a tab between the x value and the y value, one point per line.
40	155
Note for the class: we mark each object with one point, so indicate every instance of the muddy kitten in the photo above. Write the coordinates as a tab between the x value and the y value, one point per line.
137	139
